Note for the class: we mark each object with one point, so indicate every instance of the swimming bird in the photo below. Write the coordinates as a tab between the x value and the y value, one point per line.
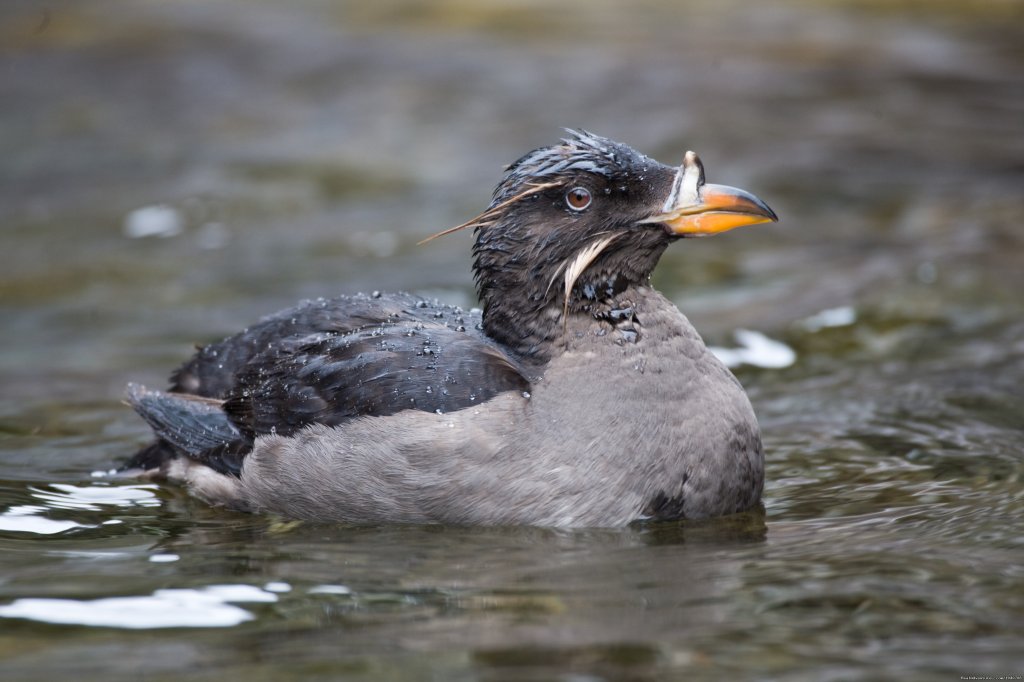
576	396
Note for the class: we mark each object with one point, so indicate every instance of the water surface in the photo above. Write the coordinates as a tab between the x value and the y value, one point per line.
172	171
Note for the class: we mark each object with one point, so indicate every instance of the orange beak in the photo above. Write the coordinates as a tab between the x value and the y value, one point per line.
696	209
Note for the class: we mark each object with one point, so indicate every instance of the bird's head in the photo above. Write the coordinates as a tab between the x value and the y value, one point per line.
575	224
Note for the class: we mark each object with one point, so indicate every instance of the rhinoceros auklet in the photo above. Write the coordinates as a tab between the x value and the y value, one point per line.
579	396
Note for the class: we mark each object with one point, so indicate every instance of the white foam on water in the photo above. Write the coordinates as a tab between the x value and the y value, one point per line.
158	220
30	518
94	497
329	589
755	349
830	317
207	607
277	586
26	518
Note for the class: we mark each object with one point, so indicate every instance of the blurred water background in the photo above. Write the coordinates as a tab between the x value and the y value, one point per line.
171	171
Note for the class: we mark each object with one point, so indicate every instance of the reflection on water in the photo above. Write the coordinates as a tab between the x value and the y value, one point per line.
171	172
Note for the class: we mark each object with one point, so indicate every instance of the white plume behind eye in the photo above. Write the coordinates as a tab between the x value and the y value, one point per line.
574	268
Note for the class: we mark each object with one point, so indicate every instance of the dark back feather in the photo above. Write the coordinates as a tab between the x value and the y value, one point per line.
404	364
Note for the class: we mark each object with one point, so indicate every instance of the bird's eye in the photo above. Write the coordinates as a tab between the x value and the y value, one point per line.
578	198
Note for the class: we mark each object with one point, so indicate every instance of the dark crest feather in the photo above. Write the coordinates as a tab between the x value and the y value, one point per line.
579	151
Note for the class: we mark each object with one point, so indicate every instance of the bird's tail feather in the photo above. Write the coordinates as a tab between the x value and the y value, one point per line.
190	425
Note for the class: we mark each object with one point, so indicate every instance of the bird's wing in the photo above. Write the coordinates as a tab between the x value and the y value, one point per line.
213	372
406	364
325	362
